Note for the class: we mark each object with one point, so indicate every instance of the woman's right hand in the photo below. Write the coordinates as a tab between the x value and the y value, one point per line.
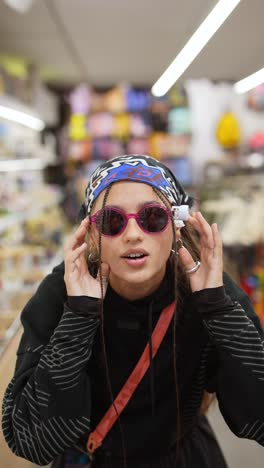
78	280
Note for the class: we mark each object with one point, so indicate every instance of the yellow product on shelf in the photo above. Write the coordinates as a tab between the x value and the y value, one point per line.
121	126
78	127
157	143
228	131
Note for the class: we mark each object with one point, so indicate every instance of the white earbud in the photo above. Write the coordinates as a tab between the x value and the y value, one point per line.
180	214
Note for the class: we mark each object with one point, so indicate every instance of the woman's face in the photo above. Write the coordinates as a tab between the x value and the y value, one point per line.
134	278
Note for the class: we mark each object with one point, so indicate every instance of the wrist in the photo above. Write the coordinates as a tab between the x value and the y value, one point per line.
83	305
207	286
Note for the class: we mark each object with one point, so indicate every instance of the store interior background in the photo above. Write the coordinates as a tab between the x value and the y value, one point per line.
85	69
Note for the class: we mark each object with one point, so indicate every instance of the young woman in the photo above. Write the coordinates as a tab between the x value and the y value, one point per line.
132	263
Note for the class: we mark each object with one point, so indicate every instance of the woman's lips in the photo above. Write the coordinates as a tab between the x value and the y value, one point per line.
135	262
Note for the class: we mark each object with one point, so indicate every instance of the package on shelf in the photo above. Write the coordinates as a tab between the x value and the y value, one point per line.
25	260
236	204
46	229
233	210
20	258
17	141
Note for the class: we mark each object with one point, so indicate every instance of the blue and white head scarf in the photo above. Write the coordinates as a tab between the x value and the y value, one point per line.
137	168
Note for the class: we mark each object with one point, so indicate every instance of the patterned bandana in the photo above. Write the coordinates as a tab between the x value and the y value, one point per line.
137	168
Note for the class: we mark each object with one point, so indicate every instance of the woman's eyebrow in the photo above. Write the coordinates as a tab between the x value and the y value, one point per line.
140	205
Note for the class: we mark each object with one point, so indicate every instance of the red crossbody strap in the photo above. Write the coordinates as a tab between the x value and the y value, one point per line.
96	437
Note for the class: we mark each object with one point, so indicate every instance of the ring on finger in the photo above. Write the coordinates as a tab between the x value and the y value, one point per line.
196	267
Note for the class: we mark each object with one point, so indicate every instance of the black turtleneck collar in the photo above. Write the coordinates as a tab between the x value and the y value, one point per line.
159	299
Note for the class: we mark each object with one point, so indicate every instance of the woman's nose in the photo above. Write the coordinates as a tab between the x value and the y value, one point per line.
132	231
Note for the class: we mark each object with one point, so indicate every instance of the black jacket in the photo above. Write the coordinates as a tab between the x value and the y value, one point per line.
59	391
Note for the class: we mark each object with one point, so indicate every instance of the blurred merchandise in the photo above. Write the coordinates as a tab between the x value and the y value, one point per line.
115	100
29	247
159	121
234	200
121	120
176	146
256	98
101	124
179	121
159	104
138	146
256	142
121	128
32	224
180	166
137	100
80	100
80	150
78	127
157	144
177	97
139	125
228	132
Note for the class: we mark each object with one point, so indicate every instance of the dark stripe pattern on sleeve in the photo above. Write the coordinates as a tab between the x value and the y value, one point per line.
49	410
241	388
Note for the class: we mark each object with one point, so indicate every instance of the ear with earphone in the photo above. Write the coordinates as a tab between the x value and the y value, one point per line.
180	214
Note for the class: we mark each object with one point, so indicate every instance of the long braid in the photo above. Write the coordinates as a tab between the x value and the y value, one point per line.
175	264
101	310
182	286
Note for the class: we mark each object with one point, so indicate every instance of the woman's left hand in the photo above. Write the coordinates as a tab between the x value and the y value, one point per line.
210	273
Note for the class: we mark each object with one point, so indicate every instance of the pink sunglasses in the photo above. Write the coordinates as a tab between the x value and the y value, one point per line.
112	221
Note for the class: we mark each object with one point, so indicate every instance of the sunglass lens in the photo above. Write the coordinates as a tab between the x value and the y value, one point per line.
153	219
111	222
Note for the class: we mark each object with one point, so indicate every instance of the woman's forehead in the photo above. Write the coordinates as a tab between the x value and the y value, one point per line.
127	194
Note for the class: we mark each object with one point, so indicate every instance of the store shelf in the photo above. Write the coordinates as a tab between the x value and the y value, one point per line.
18	218
54	261
16	324
29	164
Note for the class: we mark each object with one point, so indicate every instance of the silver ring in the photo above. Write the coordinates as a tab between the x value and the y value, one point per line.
194	268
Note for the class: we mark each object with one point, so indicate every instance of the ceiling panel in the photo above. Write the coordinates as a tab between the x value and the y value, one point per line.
236	50
35	23
107	41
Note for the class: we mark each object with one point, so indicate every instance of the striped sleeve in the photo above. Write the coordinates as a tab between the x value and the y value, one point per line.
239	342
46	407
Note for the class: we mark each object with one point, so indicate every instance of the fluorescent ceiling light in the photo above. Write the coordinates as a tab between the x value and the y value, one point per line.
250	82
22	118
21	6
21	165
194	46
